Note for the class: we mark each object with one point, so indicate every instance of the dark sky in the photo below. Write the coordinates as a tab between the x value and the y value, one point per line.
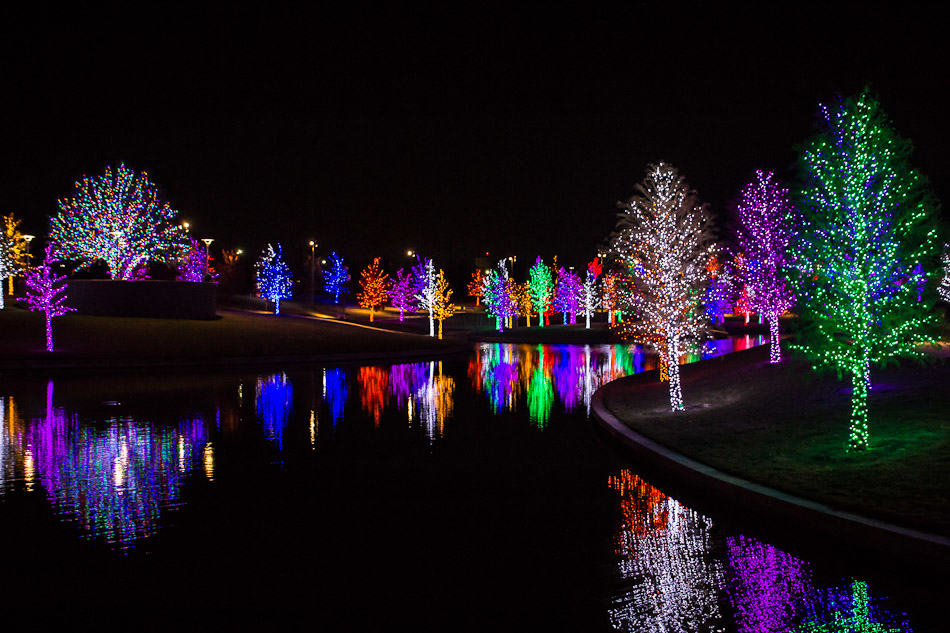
451	133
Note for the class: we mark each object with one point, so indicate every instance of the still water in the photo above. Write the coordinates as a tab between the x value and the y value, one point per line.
454	495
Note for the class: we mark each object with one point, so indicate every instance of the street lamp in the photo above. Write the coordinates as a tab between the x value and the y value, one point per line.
313	262
410	253
207	241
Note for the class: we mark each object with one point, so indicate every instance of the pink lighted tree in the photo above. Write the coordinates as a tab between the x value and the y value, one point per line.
46	293
763	237
403	291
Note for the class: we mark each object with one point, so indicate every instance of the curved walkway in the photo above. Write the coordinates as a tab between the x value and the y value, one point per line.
848	529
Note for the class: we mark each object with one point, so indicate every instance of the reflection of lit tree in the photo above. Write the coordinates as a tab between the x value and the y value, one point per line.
274	399
766	585
434	399
115	477
664	550
850	610
334	392
373	382
540	392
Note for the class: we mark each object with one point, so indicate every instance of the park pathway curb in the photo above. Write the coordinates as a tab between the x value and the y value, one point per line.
852	531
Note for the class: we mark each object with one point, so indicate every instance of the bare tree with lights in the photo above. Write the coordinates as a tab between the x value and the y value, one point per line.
663	237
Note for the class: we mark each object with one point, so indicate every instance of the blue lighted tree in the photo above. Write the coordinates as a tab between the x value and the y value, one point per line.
336	277
274	281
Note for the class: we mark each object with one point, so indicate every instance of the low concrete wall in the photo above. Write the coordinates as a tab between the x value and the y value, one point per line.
155	299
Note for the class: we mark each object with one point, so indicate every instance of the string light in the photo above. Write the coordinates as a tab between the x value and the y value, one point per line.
541	288
442	306
274	281
336	278
764	216
867	223
402	292
46	293
588	299
375	288
664	239
474	287
8	262
117	218
567	292
195	265
427	287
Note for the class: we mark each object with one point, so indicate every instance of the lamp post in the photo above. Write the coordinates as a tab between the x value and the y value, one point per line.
313	262
207	241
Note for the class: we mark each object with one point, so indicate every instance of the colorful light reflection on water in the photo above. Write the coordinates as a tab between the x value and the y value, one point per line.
675	578
117	477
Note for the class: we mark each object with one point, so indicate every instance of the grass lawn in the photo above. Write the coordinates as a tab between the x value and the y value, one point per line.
785	427
104	340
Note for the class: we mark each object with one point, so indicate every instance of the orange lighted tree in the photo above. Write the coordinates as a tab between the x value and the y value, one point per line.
442	307
375	285
475	286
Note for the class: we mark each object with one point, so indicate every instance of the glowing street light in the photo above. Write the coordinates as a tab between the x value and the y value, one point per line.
313	263
207	241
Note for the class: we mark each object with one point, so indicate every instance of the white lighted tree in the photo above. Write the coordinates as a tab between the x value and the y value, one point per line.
428	293
8	262
664	239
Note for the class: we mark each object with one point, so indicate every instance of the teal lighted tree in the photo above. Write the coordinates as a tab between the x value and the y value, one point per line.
866	225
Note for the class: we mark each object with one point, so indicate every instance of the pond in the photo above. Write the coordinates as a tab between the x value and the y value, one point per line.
453	494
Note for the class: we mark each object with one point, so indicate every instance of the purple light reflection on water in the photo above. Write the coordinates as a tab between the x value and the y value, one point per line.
113	476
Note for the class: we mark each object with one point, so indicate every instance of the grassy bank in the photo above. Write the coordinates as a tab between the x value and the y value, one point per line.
234	335
786	428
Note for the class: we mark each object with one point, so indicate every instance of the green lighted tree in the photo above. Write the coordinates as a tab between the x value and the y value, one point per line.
867	224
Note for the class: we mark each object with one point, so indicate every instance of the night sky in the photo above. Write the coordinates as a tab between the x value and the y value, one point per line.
450	133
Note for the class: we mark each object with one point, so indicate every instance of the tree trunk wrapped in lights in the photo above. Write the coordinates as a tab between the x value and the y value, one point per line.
336	277
664	239
588	298
402	292
442	306
867	224
764	217
375	288
117	218
541	288
46	293
274	281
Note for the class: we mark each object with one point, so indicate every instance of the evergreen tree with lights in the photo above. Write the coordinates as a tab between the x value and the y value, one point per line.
46	293
117	218
764	216
867	223
274	281
442	306
375	288
335	277
402	292
664	239
540	288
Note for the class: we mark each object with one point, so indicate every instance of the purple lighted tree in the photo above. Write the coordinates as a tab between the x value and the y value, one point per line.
403	291
46	293
195	264
567	294
763	235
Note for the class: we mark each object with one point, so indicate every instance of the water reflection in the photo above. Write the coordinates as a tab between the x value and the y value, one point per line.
113	476
503	372
675	577
274	398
